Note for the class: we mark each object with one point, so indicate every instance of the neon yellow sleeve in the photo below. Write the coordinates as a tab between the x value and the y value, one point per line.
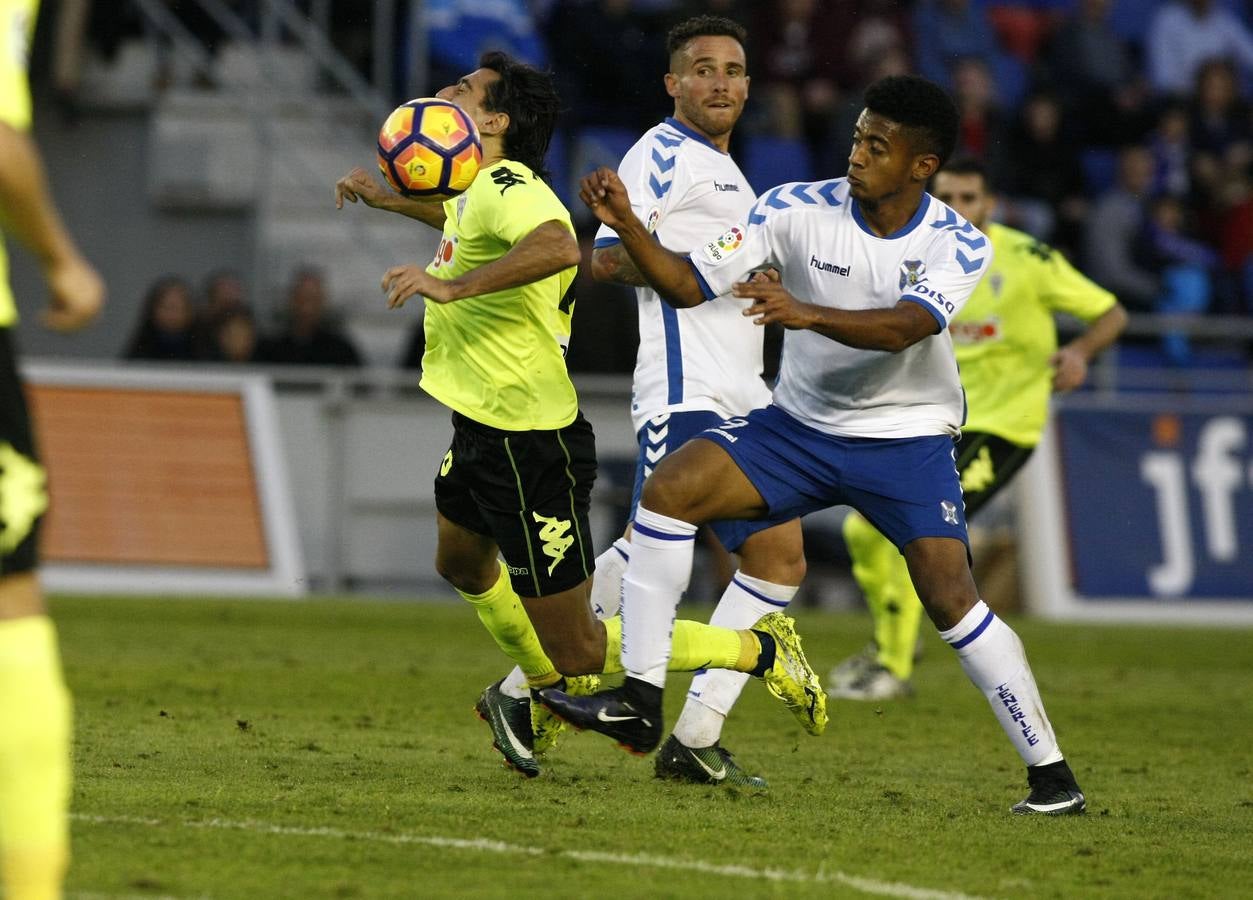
1063	288
17	20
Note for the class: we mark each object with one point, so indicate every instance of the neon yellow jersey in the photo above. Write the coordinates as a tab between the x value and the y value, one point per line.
499	358
17	23
1004	335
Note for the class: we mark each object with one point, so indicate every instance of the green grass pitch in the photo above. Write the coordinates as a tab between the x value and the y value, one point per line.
252	749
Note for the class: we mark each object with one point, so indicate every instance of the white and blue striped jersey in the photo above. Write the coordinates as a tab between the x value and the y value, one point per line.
707	357
815	235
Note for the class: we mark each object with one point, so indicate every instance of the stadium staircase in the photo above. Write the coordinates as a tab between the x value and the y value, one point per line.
264	126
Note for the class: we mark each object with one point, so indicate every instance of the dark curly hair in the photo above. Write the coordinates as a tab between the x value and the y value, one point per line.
704	26
529	98
921	106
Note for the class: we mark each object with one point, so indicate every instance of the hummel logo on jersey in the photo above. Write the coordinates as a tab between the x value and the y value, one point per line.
726	187
948	509
603	716
506	178
821	266
556	541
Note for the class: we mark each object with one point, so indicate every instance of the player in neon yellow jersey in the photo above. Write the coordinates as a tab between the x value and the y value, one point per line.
1005	342
35	721
517	479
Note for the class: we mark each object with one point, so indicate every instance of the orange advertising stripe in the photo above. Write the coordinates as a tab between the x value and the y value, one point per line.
142	477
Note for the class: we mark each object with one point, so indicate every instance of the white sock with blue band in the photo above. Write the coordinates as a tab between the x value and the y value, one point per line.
714	691
994	659
655	579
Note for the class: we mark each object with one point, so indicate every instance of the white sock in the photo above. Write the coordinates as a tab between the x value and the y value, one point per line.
515	685
993	658
611	565
656	576
714	691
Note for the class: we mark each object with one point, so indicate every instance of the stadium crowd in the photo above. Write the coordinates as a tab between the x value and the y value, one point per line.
1120	131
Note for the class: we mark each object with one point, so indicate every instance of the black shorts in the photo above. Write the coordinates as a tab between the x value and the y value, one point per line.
530	492
986	463
23	493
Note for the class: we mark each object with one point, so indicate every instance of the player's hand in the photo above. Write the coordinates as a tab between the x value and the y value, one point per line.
402	282
606	196
772	303
1070	369
360	185
76	294
771	274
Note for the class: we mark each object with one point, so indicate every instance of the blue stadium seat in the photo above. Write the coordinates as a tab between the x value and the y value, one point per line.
771	160
1100	168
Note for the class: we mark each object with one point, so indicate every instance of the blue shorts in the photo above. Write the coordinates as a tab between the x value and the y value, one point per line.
666	433
907	487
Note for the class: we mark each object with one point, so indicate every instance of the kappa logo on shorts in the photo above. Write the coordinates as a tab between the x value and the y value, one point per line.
446	466
556	541
23	496
948	509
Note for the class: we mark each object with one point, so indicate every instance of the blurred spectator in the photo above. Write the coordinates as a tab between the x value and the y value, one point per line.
879	27
1044	192
1184	265
605	333
1170	147
796	72
1186	33
235	337
309	337
946	31
1220	135
1114	228
460	31
609	58
223	294
166	328
982	132
1093	71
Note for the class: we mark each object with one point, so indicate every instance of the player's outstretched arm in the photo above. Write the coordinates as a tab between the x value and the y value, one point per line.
75	290
669	274
547	250
361	185
1070	363
892	329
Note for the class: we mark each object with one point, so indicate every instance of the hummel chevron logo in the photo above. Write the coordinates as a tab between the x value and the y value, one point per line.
664	164
654	454
656	437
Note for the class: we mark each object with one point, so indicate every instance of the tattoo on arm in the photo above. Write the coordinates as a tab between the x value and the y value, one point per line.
615	265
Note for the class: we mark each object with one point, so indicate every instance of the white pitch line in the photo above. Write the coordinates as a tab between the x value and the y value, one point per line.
641	860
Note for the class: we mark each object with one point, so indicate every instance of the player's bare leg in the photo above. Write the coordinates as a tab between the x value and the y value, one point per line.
772	566
994	659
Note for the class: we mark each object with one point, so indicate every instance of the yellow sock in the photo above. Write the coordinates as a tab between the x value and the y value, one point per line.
896	625
502	614
693	646
34	761
881	573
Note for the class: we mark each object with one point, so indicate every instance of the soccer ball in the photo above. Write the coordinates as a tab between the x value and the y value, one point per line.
429	149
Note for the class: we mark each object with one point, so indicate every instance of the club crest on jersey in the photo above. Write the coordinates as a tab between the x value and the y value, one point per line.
461	205
654	215
726	245
913	272
948	509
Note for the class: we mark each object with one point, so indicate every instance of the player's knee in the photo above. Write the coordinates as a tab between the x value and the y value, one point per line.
947	603
672	490
469	579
